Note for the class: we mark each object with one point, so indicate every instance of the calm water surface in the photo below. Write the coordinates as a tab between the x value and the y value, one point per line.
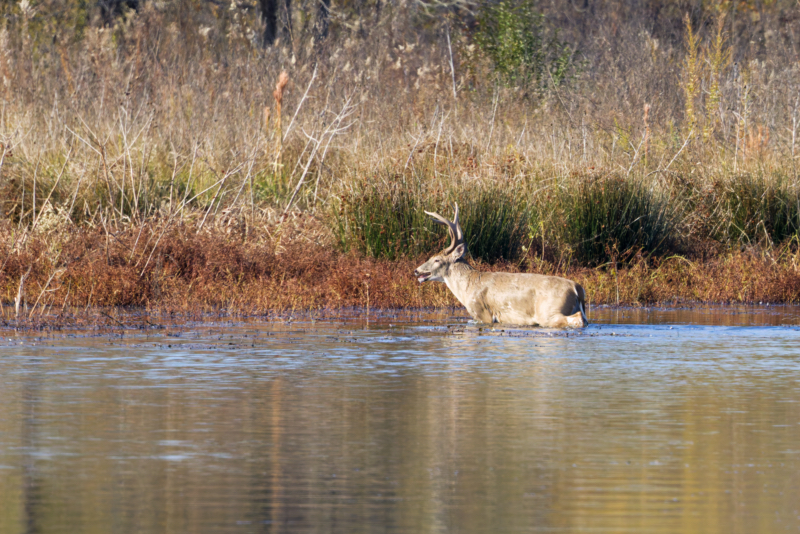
647	421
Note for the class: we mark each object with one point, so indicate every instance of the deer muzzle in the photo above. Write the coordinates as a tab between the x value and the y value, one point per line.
421	276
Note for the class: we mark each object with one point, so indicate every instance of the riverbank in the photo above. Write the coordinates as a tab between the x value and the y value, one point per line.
164	162
288	267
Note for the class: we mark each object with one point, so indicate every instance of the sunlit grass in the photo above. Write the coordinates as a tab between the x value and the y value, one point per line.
391	223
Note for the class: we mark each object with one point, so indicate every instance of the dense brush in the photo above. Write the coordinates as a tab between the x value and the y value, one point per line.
753	208
392	223
614	218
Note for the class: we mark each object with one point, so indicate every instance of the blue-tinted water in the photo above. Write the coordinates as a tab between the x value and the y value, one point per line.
647	421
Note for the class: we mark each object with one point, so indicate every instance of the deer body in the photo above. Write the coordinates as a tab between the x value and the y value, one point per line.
523	299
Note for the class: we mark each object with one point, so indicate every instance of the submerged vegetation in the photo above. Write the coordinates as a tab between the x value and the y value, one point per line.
176	153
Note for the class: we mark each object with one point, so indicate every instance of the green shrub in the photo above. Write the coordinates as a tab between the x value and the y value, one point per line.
605	220
751	208
514	37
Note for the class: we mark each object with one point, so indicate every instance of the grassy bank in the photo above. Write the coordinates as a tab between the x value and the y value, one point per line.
238	268
165	157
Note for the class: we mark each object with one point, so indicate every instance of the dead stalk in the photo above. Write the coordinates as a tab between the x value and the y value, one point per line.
494	112
58	179
20	291
54	274
333	129
300	105
452	68
280	87
228	174
302	176
248	177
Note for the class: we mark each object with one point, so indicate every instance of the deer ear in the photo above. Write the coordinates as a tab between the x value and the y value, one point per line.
459	251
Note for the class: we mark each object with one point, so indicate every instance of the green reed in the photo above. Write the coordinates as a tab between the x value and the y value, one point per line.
597	221
391	223
755	208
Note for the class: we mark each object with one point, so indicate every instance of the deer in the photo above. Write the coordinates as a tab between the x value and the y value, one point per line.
507	298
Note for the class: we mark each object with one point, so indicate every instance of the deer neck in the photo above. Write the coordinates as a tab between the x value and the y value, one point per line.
460	280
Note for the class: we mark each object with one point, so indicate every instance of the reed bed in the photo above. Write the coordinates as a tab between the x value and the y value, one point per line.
166	157
755	209
496	223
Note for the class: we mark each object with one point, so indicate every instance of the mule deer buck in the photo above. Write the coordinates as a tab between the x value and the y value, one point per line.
523	299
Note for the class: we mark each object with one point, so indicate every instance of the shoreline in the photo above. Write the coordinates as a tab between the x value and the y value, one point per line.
191	273
95	321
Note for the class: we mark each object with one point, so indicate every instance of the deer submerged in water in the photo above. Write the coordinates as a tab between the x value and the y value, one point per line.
521	299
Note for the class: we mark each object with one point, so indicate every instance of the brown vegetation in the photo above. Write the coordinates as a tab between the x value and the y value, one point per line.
240	269
166	158
178	269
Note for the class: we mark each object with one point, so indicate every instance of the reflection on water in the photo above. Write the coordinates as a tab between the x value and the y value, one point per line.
647	421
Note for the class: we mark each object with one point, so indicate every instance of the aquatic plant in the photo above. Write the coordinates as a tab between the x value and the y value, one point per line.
614	218
753	208
392	223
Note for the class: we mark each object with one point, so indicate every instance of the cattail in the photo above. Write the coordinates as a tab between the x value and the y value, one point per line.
283	80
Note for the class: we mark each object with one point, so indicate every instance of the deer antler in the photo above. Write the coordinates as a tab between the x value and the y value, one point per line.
453	228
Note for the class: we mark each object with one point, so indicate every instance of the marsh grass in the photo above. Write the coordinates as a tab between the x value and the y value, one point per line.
754	208
393	224
388	225
497	223
615	218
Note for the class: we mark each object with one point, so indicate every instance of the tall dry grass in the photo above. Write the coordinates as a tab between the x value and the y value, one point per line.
678	134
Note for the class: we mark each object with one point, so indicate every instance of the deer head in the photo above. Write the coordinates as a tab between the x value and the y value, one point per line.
438	266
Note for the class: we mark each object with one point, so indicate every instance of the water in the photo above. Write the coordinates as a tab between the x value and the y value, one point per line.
647	421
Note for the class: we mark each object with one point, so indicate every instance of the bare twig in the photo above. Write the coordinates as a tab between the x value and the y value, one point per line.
58	179
636	150
494	111
302	178
452	68
20	290
686	142
296	111
221	185
57	272
347	110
